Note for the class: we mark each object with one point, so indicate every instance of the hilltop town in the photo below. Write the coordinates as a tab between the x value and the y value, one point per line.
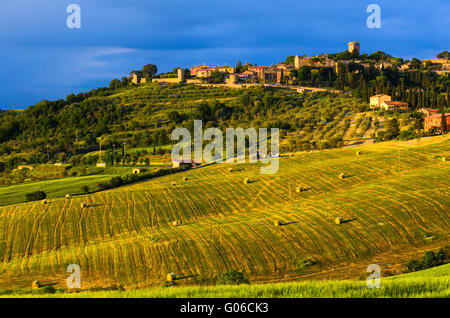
328	68
284	73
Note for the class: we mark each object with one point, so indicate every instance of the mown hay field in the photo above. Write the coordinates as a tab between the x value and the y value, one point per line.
430	283
394	202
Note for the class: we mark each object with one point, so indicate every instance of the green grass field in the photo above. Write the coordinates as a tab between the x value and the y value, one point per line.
58	188
434	282
394	202
53	188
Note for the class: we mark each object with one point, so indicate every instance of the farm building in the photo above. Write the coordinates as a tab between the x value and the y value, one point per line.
377	100
434	121
428	111
390	105
138	170
184	164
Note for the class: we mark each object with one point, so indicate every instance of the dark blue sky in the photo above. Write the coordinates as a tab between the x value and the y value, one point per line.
40	58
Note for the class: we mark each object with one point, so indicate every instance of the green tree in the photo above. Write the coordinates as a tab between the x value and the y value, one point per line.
443	55
35	196
217	77
85	189
415	64
232	277
175	117
114	84
149	70
392	129
238	67
444	127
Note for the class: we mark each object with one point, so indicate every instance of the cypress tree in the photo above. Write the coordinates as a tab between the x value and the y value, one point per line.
443	121
414	99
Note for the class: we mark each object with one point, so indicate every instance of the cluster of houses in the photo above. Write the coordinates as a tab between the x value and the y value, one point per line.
274	73
278	72
281	72
433	119
445	65
384	102
432	116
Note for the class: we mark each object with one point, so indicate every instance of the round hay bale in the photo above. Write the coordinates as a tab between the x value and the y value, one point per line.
358	153
246	181
67	196
299	189
291	154
83	205
185	178
339	220
342	176
278	223
176	223
444	159
230	169
171	277
36	285
44	201
174	183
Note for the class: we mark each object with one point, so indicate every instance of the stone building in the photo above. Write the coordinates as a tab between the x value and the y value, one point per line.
393	106
434	121
194	70
138	79
377	100
354	47
316	61
181	75
428	111
205	70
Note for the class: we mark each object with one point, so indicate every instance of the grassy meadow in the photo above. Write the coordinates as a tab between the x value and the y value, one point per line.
434	282
394	202
59	187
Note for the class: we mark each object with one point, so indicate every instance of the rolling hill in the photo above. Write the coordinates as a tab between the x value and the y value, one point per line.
429	283
394	202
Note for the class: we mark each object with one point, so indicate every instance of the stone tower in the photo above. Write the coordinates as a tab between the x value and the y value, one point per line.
354	47
181	75
297	62
233	79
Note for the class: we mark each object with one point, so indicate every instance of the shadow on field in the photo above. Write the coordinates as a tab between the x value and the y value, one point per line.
94	205
49	284
287	223
348	221
355	143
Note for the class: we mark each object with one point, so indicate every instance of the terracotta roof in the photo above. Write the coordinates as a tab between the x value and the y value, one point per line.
437	116
430	109
396	103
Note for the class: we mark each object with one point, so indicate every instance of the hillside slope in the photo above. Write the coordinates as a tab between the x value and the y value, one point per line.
433	282
395	203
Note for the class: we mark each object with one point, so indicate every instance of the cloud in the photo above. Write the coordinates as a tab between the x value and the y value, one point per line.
42	58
